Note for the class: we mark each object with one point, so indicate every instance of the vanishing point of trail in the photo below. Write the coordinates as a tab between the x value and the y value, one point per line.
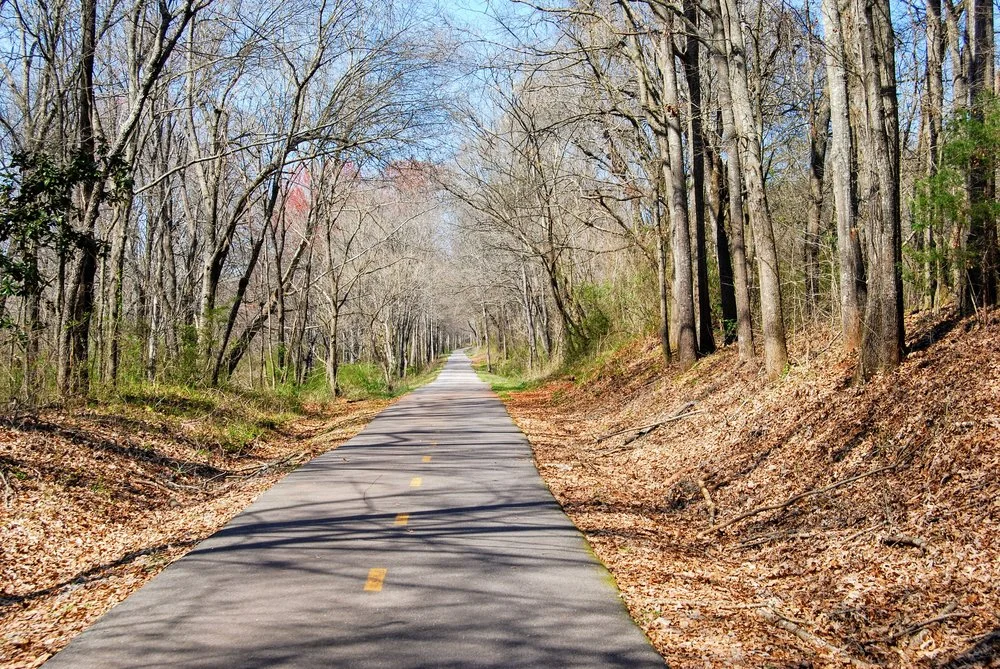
428	540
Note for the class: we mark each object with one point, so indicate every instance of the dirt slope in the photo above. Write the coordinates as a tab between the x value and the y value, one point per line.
898	568
94	503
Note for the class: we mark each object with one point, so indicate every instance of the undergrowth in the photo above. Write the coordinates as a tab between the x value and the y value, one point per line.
366	380
228	419
502	384
513	375
231	419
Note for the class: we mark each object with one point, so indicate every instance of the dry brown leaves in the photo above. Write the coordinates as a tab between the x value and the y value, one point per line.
94	505
897	569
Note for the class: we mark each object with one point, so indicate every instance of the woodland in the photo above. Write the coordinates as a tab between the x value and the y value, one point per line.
744	226
224	192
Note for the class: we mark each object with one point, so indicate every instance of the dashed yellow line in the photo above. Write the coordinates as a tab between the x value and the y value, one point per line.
416	482
376	577
402	518
427	458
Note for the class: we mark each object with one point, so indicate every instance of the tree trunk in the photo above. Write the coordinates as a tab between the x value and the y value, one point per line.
882	338
696	143
717	195
73	364
934	113
333	356
486	335
664	289
676	191
852	280
775	351
818	133
734	174
529	318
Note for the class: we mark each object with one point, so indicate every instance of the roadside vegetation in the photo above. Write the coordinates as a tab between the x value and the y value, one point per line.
803	522
98	498
632	208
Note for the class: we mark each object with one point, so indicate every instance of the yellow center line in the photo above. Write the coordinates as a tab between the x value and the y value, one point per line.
427	458
402	518
416	482
375	578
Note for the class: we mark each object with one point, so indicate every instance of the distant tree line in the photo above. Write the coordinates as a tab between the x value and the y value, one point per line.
218	191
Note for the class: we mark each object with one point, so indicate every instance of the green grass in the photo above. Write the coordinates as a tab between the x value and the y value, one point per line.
366	380
505	384
363	379
226	419
599	360
231	419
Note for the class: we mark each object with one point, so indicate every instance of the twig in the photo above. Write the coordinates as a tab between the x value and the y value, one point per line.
863	532
784	622
708	500
904	540
774	536
947	613
258	469
826	348
182	486
677	415
791	500
156	485
8	491
365	495
737	607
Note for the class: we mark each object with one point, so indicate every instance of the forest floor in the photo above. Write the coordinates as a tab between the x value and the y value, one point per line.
807	521
96	501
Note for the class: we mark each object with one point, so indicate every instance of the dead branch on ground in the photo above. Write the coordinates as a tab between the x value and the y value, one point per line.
947	613
777	536
712	509
643	430
904	540
791	500
795	627
865	531
263	468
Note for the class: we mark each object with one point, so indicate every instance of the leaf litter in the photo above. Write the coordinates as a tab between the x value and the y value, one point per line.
871	533
95	502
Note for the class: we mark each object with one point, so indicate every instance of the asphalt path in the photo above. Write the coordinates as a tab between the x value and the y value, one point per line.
428	540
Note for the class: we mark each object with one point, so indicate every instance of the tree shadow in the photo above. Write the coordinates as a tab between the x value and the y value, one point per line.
923	338
126	450
90	575
984	653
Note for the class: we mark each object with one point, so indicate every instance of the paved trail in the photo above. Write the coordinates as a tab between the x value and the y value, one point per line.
428	540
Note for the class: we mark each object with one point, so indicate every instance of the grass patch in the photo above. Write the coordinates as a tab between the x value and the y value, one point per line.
230	420
227	419
503	384
361	380
366	380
